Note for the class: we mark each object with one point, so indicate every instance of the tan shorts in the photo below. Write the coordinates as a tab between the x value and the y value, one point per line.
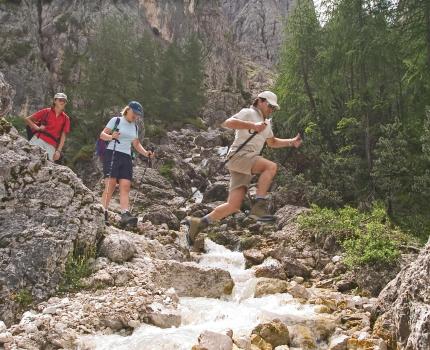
240	167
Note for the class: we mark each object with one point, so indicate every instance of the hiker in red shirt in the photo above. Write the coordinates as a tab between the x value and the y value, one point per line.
49	127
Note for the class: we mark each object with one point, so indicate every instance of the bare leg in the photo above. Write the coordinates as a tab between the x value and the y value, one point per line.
267	170
124	190
234	201
110	184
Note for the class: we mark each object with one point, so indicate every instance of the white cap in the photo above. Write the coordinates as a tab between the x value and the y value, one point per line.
270	97
60	95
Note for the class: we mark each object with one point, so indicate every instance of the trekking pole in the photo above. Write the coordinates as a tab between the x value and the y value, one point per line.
222	165
108	177
148	165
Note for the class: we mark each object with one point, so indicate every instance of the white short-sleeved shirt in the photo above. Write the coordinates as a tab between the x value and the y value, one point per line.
256	144
127	134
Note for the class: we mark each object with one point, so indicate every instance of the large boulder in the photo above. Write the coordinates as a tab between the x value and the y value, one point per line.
403	307
47	216
192	280
118	248
275	332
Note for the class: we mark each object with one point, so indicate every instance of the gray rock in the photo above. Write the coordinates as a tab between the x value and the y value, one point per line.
215	341
298	291
6	96
159	214
403	306
338	342
217	192
118	247
270	268
253	257
192	280
293	267
43	221
267	286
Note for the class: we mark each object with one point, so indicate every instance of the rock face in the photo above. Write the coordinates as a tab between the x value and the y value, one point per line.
240	37
6	96
46	214
404	306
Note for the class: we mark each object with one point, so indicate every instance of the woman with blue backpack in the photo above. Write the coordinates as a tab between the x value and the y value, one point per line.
119	135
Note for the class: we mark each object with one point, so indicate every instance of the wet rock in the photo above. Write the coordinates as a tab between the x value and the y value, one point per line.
298	291
118	247
293	267
253	257
275	333
214	341
338	342
189	279
258	343
165	318
270	268
302	337
266	286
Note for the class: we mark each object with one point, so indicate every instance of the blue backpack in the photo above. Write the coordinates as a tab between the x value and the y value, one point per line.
101	145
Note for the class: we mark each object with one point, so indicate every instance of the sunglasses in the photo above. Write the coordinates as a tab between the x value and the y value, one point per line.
62	100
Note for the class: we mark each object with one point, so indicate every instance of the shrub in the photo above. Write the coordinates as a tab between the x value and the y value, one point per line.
166	169
77	267
367	237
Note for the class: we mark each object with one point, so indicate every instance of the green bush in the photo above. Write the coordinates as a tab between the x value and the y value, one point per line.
77	267
18	123
23	297
367	237
197	122
166	169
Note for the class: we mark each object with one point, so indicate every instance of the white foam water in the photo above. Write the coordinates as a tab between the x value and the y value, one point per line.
240	311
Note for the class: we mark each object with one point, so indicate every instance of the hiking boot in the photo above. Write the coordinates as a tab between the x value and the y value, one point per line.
128	220
195	226
260	212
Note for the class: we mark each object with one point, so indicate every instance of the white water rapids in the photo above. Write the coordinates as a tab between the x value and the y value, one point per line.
240	311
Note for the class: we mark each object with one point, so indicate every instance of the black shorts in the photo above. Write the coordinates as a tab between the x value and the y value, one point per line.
122	165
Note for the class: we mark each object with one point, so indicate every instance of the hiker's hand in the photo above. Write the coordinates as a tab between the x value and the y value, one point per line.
150	154
57	155
297	141
259	127
41	128
115	135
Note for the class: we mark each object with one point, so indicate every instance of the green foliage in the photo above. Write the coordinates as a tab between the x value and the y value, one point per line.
166	169
196	122
84	154
358	86
77	267
23	297
123	65
18	123
367	237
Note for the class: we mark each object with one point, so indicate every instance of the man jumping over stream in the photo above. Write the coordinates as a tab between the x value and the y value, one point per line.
252	130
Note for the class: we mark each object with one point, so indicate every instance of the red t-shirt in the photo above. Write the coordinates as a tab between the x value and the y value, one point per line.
53	124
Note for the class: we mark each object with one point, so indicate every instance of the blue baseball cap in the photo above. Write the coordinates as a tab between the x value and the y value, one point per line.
136	107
